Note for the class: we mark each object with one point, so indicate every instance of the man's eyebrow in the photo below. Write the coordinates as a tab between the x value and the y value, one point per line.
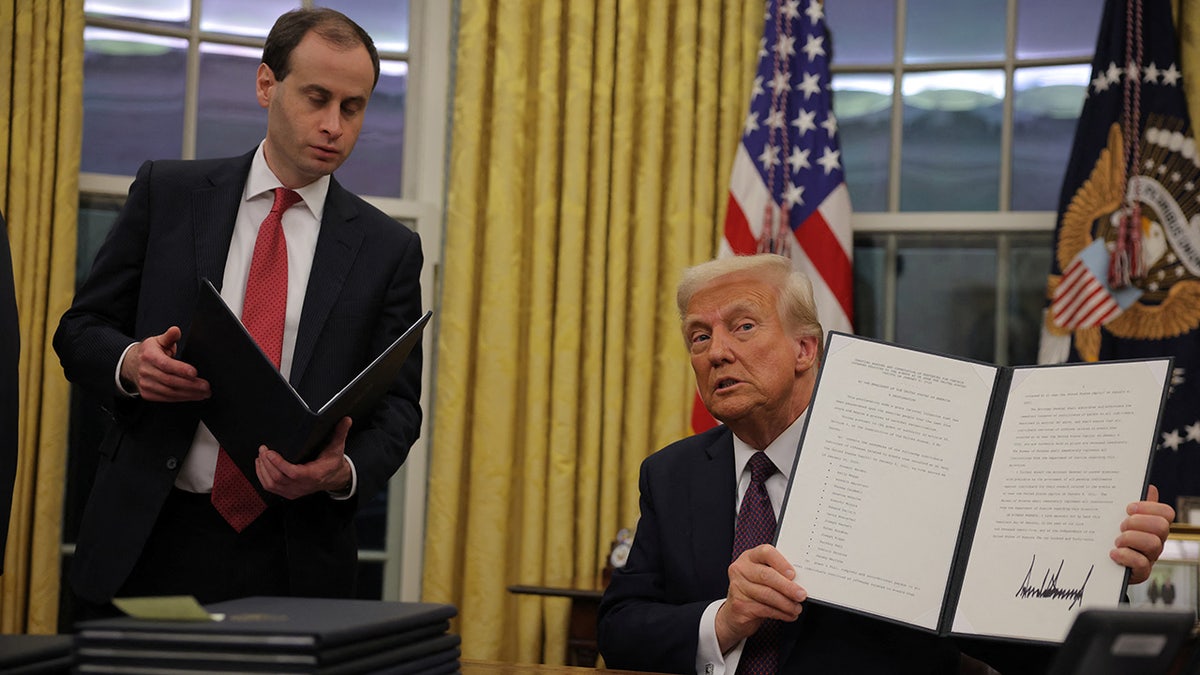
325	93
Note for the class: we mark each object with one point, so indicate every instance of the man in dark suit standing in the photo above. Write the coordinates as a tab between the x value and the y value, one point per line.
322	280
679	605
10	356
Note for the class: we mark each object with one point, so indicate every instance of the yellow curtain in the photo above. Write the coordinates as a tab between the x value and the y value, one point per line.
590	155
41	94
1187	25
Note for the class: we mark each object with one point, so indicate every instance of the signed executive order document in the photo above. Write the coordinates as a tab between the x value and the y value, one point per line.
962	497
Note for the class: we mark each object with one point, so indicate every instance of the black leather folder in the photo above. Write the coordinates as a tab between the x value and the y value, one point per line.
252	404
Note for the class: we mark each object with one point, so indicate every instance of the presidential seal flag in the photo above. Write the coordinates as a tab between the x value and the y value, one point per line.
1125	280
787	191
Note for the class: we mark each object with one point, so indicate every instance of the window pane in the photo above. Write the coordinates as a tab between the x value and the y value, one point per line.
229	121
239	17
862	31
1046	107
132	99
1040	28
954	30
870	299
950	153
938	272
160	12
1028	265
385	20
374	168
863	107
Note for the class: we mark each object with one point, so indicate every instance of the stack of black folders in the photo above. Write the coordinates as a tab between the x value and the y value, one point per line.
278	635
36	654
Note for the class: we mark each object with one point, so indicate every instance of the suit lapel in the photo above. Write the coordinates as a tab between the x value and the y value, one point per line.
337	246
712	493
214	214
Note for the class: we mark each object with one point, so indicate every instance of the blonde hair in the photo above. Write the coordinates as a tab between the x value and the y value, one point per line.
797	309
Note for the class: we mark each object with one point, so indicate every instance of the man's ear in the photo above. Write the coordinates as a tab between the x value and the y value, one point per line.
264	84
806	352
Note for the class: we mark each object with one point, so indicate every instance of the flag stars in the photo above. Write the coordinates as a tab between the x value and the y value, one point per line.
786	46
799	160
1151	72
814	46
793	195
757	89
1172	439
1193	431
811	84
1161	170
830	125
777	119
1171	75
814	11
781	82
830	160
1131	71
1113	75
790	9
1176	177
805	121
751	124
1100	84
769	156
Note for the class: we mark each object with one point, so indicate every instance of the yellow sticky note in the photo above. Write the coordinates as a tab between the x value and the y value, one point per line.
165	608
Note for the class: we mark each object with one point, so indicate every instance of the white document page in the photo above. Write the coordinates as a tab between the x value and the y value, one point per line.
1072	453
876	500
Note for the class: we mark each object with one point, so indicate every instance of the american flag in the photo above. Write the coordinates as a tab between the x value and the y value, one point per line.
787	192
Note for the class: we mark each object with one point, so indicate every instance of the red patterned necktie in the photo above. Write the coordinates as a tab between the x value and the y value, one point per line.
755	526
263	313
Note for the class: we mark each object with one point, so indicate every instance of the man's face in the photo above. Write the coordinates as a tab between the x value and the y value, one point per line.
315	113
749	369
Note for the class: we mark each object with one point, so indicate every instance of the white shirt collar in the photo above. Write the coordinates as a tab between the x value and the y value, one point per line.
262	181
782	451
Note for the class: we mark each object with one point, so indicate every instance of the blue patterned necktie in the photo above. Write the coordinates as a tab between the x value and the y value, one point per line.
755	526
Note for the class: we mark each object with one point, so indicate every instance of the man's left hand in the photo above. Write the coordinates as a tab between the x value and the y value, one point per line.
1143	533
328	472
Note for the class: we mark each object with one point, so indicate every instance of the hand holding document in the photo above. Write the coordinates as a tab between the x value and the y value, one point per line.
966	498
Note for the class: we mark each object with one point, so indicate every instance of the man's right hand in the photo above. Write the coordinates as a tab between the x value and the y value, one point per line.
761	587
151	369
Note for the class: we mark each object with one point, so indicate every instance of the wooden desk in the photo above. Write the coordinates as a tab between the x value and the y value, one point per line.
473	667
581	633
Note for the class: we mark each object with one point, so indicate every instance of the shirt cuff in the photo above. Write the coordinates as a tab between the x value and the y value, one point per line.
117	375
342	496
709	659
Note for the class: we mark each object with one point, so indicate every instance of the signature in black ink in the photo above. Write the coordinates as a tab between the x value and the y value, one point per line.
1049	587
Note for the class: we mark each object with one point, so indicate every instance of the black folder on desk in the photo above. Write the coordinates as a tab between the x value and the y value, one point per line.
253	404
277	634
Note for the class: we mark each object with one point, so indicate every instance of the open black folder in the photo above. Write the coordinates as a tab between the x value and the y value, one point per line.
965	498
252	404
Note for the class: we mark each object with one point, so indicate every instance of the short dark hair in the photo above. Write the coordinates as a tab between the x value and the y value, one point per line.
333	26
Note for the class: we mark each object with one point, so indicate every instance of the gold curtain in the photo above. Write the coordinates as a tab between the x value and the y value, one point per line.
1187	25
590	157
41	94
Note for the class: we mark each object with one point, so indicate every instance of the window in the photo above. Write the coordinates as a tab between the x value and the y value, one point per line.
956	123
175	79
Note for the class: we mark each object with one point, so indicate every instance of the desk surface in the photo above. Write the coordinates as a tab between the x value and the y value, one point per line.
474	667
556	592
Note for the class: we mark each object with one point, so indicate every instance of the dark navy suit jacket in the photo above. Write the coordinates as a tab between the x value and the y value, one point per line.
174	230
650	614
